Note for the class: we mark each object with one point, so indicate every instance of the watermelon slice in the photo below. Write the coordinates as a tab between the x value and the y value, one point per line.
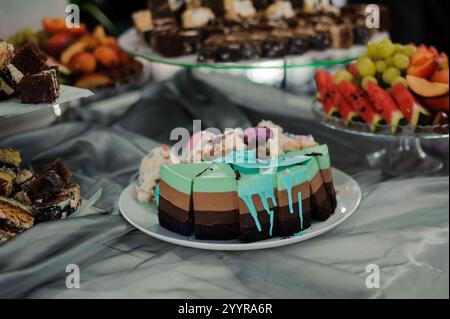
415	113
346	111
324	82
356	97
387	107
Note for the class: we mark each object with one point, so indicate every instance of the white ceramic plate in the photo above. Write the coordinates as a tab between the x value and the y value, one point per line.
145	218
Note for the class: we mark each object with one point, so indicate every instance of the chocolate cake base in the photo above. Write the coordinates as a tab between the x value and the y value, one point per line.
332	195
248	231
170	223
217	232
174	218
321	205
289	224
217	225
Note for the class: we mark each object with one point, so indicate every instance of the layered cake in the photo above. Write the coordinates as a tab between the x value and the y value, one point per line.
175	200
28	198
234	30
265	183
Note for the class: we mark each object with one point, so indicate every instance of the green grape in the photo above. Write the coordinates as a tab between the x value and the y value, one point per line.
390	74
400	61
365	67
385	49
389	61
409	50
372	49
398	48
343	75
366	80
399	79
381	66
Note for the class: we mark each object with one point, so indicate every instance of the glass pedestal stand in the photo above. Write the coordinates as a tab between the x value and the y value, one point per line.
404	155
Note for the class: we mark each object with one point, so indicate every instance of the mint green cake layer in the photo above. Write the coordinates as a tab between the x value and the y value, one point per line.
219	178
323	160
180	176
293	176
312	168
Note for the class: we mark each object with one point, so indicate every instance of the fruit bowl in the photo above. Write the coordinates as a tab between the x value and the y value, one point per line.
379	130
402	154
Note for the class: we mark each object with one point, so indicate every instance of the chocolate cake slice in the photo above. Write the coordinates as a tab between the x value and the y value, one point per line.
175	204
60	206
216	208
29	60
45	184
40	88
15	217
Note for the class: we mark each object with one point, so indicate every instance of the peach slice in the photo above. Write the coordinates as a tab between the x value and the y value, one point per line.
426	88
423	70
93	80
440	76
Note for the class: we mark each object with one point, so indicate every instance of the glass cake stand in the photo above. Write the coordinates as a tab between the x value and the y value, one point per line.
288	72
402	154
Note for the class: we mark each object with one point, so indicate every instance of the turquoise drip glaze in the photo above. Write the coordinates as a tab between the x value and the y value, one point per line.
300	208
157	195
264	188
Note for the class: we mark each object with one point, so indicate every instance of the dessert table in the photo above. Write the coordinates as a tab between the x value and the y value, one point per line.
402	224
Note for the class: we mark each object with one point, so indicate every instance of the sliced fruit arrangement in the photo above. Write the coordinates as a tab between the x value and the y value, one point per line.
393	84
86	59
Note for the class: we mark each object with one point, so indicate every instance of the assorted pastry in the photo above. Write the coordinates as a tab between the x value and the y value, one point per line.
279	185
234	30
28	198
24	74
85	59
392	85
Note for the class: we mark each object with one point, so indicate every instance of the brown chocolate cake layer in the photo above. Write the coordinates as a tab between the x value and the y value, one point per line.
180	200
248	231
327	176
320	202
216	215
176	213
172	224
291	223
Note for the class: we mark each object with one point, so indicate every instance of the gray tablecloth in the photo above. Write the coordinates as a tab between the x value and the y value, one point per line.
401	226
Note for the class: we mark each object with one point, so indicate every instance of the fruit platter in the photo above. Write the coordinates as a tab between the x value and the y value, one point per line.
394	91
85	59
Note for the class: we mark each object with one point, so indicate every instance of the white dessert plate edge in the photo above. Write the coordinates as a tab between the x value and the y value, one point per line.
144	217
